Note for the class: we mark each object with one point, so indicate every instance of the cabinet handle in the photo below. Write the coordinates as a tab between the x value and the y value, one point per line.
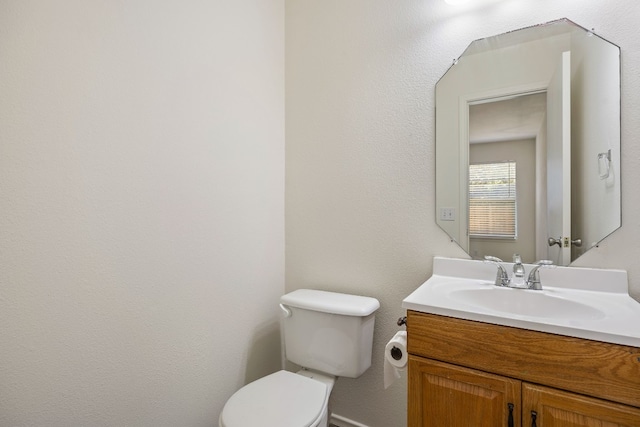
510	420
534	415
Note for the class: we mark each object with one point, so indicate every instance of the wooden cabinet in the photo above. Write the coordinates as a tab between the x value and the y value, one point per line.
555	408
472	374
447	395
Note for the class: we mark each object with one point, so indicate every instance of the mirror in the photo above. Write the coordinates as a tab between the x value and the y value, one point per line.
528	144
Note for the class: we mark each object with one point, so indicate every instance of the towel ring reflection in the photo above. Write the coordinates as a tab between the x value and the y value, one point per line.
604	164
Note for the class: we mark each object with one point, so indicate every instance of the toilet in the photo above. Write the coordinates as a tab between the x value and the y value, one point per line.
329	335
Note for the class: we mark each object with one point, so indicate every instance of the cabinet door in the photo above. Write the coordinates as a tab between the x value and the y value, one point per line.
555	408
443	395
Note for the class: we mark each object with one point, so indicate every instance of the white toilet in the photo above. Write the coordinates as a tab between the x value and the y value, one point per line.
330	335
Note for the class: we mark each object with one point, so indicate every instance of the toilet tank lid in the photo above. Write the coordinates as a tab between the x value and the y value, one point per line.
331	302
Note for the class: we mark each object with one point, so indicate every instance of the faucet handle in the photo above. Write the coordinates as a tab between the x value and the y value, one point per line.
533	282
502	277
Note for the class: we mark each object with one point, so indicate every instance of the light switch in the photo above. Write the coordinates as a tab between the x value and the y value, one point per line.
447	214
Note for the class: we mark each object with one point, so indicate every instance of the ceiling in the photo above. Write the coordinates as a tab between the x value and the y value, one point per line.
507	119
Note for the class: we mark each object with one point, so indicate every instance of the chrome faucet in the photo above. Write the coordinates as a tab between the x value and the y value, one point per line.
517	279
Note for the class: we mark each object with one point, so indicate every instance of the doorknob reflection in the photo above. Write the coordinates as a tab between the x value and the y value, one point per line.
552	242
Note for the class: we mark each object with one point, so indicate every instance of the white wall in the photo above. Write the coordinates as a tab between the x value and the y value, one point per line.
360	188
141	200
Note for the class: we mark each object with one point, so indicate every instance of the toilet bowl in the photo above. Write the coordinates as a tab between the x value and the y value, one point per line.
282	399
330	335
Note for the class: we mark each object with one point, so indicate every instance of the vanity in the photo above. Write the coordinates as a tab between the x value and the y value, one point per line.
517	357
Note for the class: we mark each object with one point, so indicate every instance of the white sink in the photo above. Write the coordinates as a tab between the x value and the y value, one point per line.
579	302
526	303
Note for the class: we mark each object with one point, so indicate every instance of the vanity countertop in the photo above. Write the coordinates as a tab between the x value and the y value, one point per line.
579	302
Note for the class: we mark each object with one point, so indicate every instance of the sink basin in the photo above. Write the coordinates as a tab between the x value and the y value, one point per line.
526	303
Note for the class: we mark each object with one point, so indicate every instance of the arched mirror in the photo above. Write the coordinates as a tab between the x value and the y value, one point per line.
528	144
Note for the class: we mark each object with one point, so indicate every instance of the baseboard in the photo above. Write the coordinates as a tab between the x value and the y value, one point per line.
341	421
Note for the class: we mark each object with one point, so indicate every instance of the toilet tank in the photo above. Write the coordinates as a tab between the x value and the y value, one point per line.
329	332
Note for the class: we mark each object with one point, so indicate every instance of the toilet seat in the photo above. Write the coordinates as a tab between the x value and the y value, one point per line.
282	399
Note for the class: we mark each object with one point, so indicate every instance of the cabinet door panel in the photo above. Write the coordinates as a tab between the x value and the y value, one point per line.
557	408
444	395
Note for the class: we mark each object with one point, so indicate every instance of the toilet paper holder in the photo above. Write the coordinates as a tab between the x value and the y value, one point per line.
396	353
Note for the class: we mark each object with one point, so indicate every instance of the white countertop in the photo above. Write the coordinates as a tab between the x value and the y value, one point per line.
579	302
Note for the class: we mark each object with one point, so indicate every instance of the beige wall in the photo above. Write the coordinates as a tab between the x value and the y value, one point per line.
360	188
141	225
